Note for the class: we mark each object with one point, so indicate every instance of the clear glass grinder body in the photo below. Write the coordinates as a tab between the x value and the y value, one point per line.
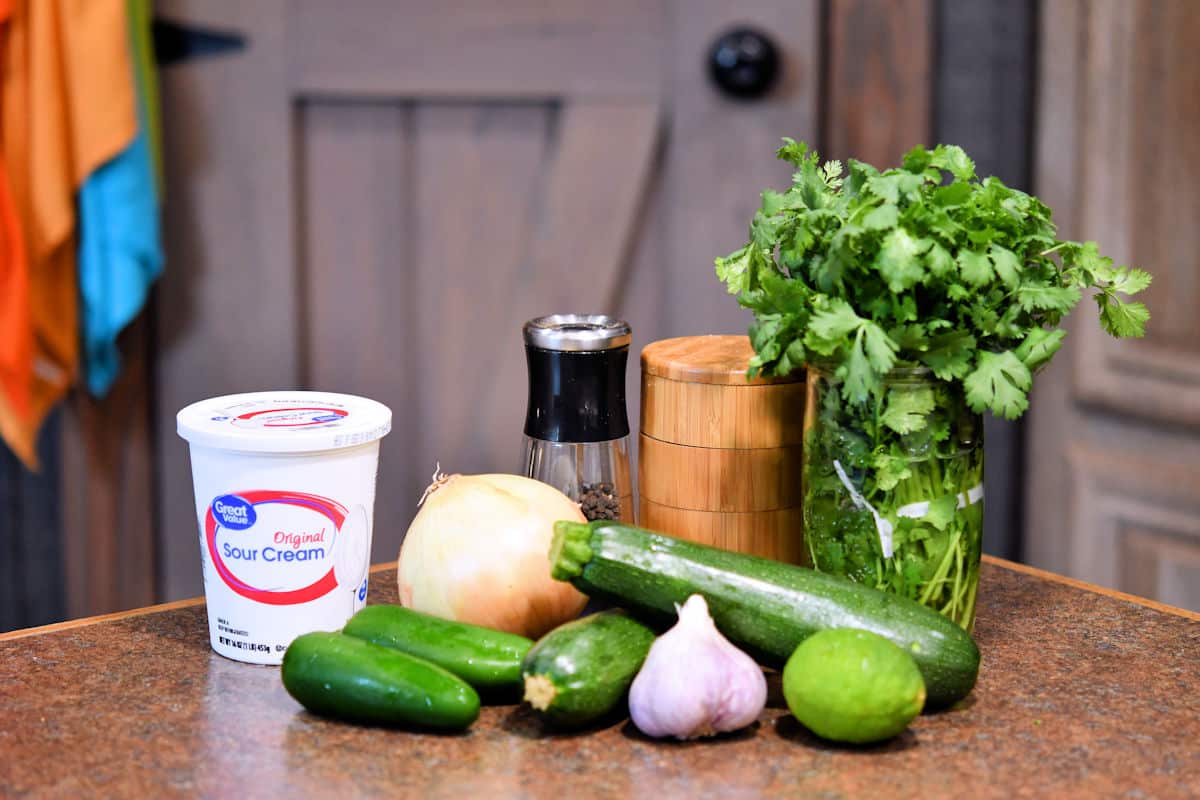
576	425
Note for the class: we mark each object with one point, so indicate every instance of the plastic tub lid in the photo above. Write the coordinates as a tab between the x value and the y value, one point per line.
283	422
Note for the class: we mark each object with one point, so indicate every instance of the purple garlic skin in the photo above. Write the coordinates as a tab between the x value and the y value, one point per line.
694	682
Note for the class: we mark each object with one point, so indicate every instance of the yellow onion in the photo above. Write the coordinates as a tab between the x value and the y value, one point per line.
477	552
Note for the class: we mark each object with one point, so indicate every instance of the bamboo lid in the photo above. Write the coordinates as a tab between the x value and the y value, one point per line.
695	392
706	359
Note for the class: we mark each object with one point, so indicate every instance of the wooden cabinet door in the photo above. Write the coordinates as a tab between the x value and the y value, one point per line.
1113	489
372	196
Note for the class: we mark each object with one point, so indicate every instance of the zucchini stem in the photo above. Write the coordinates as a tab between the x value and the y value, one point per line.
539	691
569	549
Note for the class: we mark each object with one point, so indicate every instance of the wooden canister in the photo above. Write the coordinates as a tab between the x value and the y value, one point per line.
719	457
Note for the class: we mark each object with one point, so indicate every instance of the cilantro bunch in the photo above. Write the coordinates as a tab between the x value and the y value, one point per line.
925	265
920	297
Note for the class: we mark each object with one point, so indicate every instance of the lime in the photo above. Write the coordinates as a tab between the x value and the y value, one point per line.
852	686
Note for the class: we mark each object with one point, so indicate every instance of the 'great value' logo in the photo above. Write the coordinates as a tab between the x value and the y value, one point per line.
233	512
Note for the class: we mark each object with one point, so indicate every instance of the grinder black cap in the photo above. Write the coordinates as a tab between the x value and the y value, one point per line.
576	377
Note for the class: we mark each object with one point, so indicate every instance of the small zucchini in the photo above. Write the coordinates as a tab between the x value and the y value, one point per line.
340	676
580	671
482	657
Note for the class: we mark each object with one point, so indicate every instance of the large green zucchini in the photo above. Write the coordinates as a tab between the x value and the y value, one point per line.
766	607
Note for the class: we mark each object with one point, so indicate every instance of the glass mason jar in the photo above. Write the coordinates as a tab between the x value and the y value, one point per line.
893	488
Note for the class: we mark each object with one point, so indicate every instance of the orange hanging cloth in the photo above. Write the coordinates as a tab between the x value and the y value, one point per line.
16	330
68	106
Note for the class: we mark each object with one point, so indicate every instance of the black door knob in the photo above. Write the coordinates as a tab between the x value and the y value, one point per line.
743	63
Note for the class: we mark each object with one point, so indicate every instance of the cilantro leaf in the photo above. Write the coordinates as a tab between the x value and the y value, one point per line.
1119	318
858	380
907	409
764	231
941	511
1008	268
881	351
974	267
773	202
1129	281
733	270
899	260
910	336
881	217
1039	347
1035	297
998	384
950	355
890	470
939	261
954	194
792	151
828	326
955	159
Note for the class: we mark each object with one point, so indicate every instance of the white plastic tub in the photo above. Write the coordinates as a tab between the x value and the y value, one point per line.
285	494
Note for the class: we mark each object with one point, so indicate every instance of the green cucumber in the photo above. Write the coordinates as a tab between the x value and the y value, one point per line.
340	676
580	671
764	606
482	657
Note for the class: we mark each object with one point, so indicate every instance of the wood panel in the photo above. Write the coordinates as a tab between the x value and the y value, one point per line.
359	282
720	152
1134	519
1057	165
1156	564
983	78
479	184
878	95
983	90
478	49
578	244
228	298
1142	84
1117	107
32	589
109	543
592	197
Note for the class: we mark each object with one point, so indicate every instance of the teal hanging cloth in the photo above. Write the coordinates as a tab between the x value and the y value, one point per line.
120	247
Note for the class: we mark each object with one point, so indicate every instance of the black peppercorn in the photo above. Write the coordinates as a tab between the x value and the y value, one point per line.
597	501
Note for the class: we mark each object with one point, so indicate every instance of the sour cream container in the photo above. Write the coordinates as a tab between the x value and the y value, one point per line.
285	495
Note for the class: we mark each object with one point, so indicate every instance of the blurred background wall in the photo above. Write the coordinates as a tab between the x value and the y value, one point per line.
371	196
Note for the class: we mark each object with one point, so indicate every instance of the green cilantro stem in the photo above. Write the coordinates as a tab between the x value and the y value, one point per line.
935	558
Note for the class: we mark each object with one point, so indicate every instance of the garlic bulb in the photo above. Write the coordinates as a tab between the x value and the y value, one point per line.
476	552
694	682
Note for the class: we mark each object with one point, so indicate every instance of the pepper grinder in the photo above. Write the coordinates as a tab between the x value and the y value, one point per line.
576	426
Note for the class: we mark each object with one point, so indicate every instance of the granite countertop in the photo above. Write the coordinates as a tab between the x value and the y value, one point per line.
1081	693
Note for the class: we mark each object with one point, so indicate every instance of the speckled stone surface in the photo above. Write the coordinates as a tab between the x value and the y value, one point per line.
1080	695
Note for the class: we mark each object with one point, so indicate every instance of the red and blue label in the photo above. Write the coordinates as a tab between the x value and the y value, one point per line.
287	417
274	547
